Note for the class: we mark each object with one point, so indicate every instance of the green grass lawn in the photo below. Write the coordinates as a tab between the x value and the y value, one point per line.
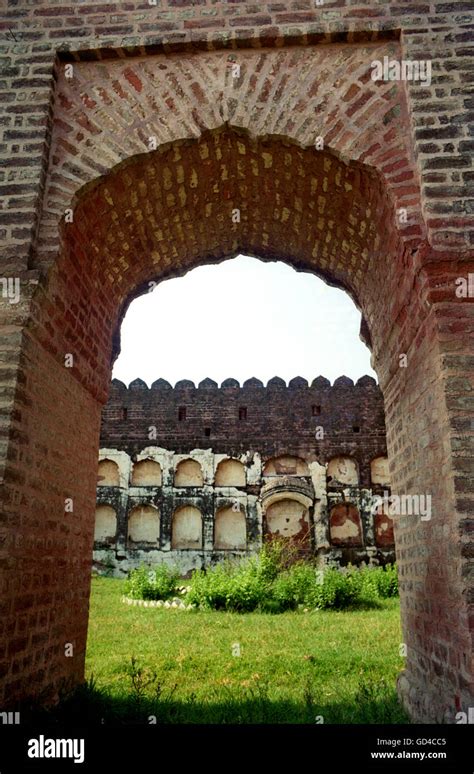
295	667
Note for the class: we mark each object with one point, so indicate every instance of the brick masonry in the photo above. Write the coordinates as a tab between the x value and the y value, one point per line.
290	441
81	145
279	419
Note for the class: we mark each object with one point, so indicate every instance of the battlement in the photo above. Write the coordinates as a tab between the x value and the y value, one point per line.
275	383
315	421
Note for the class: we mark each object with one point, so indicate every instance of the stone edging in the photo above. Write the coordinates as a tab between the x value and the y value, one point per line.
177	604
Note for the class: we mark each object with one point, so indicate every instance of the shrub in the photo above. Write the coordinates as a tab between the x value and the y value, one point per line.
245	591
209	587
276	556
386	580
293	587
336	589
352	586
266	583
147	583
271	582
239	587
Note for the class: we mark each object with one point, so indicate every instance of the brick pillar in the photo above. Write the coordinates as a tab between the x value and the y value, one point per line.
429	438
50	439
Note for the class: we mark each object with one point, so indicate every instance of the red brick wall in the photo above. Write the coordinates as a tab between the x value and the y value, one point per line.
279	419
305	72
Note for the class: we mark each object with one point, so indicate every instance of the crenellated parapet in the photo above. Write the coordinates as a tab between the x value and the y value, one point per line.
276	382
316	420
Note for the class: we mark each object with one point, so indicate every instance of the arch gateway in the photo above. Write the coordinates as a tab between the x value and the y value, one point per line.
135	149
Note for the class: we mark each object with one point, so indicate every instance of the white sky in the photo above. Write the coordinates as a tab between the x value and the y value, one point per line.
239	319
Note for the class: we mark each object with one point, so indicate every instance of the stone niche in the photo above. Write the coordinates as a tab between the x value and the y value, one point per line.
230	531
186	530
108	473
105	524
342	470
383	528
230	473
144	524
146	473
188	473
345	525
286	466
287	518
379	471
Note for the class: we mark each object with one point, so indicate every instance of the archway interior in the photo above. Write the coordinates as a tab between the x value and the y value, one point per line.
209	525
197	423
155	217
224	194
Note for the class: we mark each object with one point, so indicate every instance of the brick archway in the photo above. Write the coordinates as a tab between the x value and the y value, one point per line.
235	175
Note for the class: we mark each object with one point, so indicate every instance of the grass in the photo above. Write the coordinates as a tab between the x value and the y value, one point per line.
177	666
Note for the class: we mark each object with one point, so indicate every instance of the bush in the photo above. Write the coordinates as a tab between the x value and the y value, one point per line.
294	586
239	587
209	587
336	589
271	582
245	591
386	580
352	586
275	557
267	584
147	583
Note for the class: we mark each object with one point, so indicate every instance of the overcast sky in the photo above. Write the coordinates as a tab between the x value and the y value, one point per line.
239	319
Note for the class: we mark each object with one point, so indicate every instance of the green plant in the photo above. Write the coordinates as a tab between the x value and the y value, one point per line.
141	678
293	587
275	581
376	701
245	591
239	587
209	587
336	589
269	581
386	579
147	583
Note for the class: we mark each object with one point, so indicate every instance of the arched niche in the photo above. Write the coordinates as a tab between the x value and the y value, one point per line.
108	473
186	530
230	529
188	473
345	525
380	471
146	473
286	465
383	529
105	524
343	470
230	473
144	524
288	517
